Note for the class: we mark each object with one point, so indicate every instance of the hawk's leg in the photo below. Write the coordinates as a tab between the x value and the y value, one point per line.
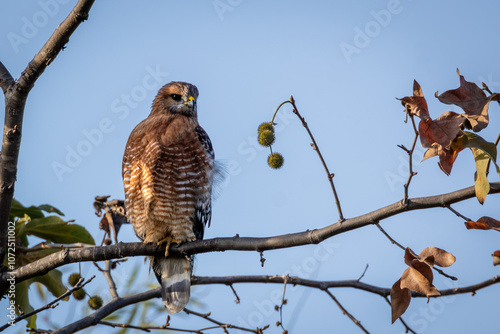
169	241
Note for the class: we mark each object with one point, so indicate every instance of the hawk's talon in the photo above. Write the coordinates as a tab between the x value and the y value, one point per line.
169	241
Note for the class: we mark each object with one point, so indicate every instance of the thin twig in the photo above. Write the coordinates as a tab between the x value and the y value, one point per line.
111	281
283	302
53	304
408	328
206	316
458	213
316	148
453	278
345	312
411	173
489	160
394	242
364	272
237	301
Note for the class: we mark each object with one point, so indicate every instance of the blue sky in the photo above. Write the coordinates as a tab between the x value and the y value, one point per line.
345	63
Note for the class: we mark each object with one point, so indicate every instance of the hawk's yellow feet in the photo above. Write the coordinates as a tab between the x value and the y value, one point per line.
169	241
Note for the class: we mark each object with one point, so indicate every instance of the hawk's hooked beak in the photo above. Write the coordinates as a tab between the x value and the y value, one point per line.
191	102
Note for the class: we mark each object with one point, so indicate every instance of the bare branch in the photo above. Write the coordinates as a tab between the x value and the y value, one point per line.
219	324
237	300
121	302
345	312
408	329
411	173
16	94
121	250
440	271
394	242
6	80
53	304
316	148
458	213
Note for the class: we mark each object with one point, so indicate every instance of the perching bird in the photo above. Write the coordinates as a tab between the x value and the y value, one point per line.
168	170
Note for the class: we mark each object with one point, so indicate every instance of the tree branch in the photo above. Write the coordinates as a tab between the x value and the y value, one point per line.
316	148
121	302
345	312
16	93
53	304
121	250
6	80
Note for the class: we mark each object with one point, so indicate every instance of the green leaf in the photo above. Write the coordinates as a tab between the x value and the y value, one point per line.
52	281
476	141
54	229
50	209
483	151
18	210
22	299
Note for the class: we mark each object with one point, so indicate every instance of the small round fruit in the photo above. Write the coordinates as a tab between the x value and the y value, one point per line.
95	302
275	160
79	294
266	138
266	126
74	278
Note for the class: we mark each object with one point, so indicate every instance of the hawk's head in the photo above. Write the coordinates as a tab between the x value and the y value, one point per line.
176	97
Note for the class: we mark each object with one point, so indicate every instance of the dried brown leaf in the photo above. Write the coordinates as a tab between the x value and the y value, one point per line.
400	300
423	268
410	256
472	100
484	223
441	257
443	130
417	103
414	280
496	259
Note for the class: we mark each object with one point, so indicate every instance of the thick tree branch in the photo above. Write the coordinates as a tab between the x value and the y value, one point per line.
121	302
121	250
16	93
6	80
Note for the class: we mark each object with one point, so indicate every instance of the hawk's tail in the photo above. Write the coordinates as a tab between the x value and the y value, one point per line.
174	276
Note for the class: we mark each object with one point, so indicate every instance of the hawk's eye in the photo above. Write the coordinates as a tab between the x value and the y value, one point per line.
176	97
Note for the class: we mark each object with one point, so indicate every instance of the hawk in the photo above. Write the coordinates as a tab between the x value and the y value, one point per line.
168	169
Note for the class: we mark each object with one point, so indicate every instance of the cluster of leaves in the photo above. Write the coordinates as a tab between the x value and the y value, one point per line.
445	136
32	221
417	277
266	138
